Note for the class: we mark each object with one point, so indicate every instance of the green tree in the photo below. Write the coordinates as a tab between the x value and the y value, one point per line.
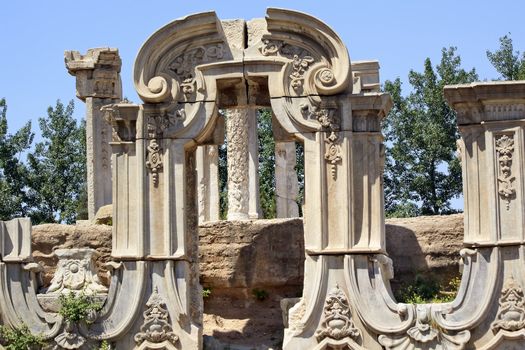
266	163
509	63
58	167
14	196
422	172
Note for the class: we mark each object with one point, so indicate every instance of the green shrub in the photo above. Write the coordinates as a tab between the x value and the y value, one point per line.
426	290
206	292
20	338
259	294
78	307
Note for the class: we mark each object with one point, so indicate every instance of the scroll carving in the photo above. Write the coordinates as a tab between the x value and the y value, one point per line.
156	327
337	319
511	314
156	126
505	150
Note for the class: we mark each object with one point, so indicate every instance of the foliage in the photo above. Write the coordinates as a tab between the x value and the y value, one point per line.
78	307
58	167
299	169
14	197
20	338
206	292
266	164
422	172
104	345
507	61
426	290
260	294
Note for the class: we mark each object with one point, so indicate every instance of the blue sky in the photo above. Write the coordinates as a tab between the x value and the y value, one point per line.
400	34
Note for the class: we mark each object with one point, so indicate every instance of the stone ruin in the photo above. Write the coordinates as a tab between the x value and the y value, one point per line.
163	182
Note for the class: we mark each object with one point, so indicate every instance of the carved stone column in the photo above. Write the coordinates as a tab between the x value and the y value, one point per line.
286	183
98	83
207	159
238	166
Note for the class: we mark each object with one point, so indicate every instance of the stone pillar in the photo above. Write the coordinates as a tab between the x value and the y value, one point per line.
254	207
238	163
98	83
286	183
491	123
207	159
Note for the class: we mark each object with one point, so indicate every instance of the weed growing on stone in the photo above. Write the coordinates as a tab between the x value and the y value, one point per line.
78	307
20	338
426	290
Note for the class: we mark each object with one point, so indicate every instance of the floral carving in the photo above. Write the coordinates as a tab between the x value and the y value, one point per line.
511	314
329	120
299	67
337	320
300	58
505	150
184	65
156	126
156	327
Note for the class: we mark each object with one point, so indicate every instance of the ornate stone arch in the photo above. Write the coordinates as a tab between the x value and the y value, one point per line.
290	61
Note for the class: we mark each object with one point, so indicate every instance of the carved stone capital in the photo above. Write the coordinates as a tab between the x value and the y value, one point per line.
123	120
97	73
